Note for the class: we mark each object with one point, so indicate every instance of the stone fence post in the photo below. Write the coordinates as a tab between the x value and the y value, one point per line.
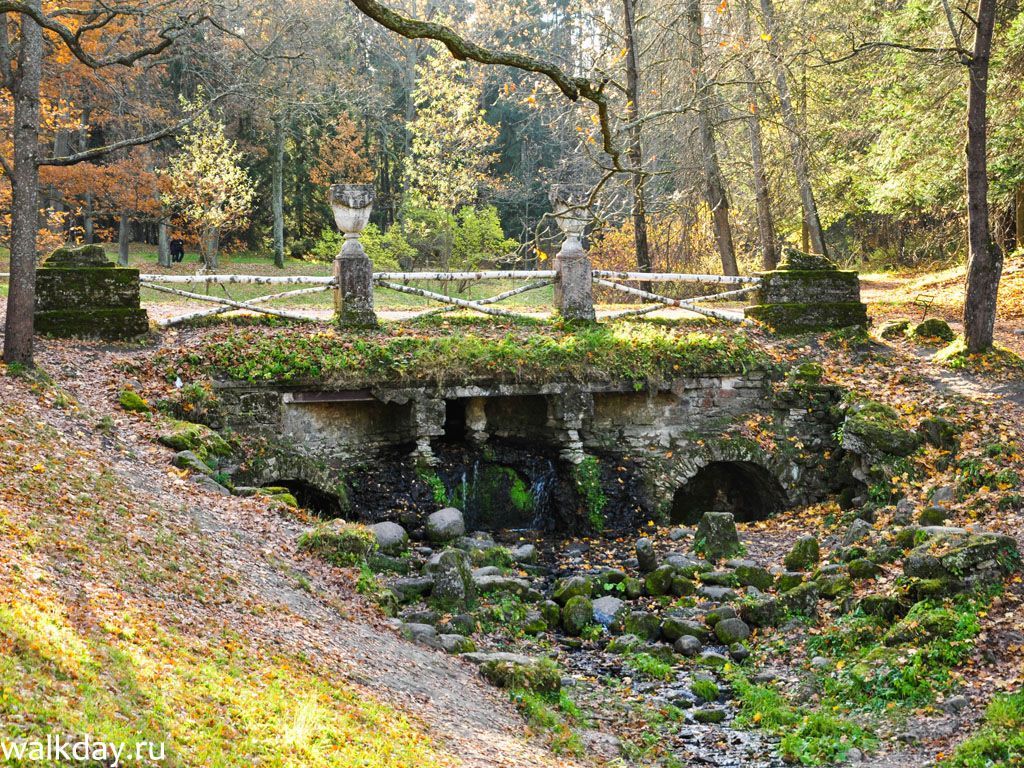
574	291
353	271
807	293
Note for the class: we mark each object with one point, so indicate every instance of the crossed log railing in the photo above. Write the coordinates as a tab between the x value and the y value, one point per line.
398	282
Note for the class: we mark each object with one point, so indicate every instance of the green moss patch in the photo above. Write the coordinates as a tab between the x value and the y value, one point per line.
339	543
198	438
1000	741
495	352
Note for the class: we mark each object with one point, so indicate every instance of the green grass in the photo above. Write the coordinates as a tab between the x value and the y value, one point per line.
1000	740
650	666
807	738
881	665
554	713
491	351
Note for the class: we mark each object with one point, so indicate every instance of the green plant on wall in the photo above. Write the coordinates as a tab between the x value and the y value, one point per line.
588	483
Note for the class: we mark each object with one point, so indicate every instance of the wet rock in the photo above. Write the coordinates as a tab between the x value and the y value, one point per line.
933	516
787	580
858	531
687	645
739	652
750	574
715	615
624	644
412	588
863	568
392	538
423	634
577	615
453	580
643	624
534	623
802	600
709	715
445	525
456	644
570	587
600	743
659	581
524	553
190	461
716	535
954	705
551	612
718	594
608	610
646	557
760	611
459	624
674	627
804	555
730	631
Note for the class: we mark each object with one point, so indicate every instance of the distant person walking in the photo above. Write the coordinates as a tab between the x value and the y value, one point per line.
177	250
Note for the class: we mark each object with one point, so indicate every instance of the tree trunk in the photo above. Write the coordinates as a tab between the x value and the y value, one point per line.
1019	218
88	223
815	233
714	185
210	245
277	192
985	260
21	296
163	245
765	222
635	149
124	236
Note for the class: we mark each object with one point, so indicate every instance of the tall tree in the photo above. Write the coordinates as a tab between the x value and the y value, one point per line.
717	200
634	130
985	259
798	148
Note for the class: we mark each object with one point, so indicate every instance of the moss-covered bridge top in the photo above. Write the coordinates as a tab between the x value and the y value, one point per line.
458	351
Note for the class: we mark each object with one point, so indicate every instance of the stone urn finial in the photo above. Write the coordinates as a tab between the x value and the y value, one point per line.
569	217
352	205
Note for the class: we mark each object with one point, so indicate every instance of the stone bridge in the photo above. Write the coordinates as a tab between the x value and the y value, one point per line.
750	443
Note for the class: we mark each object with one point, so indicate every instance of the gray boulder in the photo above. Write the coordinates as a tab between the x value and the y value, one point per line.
446	525
391	537
608	610
730	631
687	645
646	557
453	579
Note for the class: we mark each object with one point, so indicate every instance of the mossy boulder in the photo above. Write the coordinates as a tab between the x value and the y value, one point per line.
750	574
804	555
516	671
760	611
893	329
132	402
932	516
339	542
862	568
198	438
873	428
78	257
729	631
659	581
577	615
802	600
940	433
643	624
924	622
960	557
716	536
932	331
887	607
570	587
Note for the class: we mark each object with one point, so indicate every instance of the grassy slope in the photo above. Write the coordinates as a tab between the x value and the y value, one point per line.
108	626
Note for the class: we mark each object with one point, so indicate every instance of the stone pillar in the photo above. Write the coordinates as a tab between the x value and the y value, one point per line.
574	288
807	293
476	420
567	412
428	422
80	294
353	271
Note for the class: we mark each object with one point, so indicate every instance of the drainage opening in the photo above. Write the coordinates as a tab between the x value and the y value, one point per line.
322	503
746	489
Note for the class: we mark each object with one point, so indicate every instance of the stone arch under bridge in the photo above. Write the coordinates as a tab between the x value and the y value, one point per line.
727	475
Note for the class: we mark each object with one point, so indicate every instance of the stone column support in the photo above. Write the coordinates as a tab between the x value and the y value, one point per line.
567	413
428	422
574	287
476	420
353	271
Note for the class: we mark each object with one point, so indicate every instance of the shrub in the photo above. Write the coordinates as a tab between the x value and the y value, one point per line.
339	543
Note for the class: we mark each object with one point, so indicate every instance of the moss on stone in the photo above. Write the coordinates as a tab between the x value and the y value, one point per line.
67	256
932	331
131	401
339	543
802	317
111	324
198	438
877	428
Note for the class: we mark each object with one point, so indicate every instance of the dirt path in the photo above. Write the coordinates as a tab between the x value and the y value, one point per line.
306	607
